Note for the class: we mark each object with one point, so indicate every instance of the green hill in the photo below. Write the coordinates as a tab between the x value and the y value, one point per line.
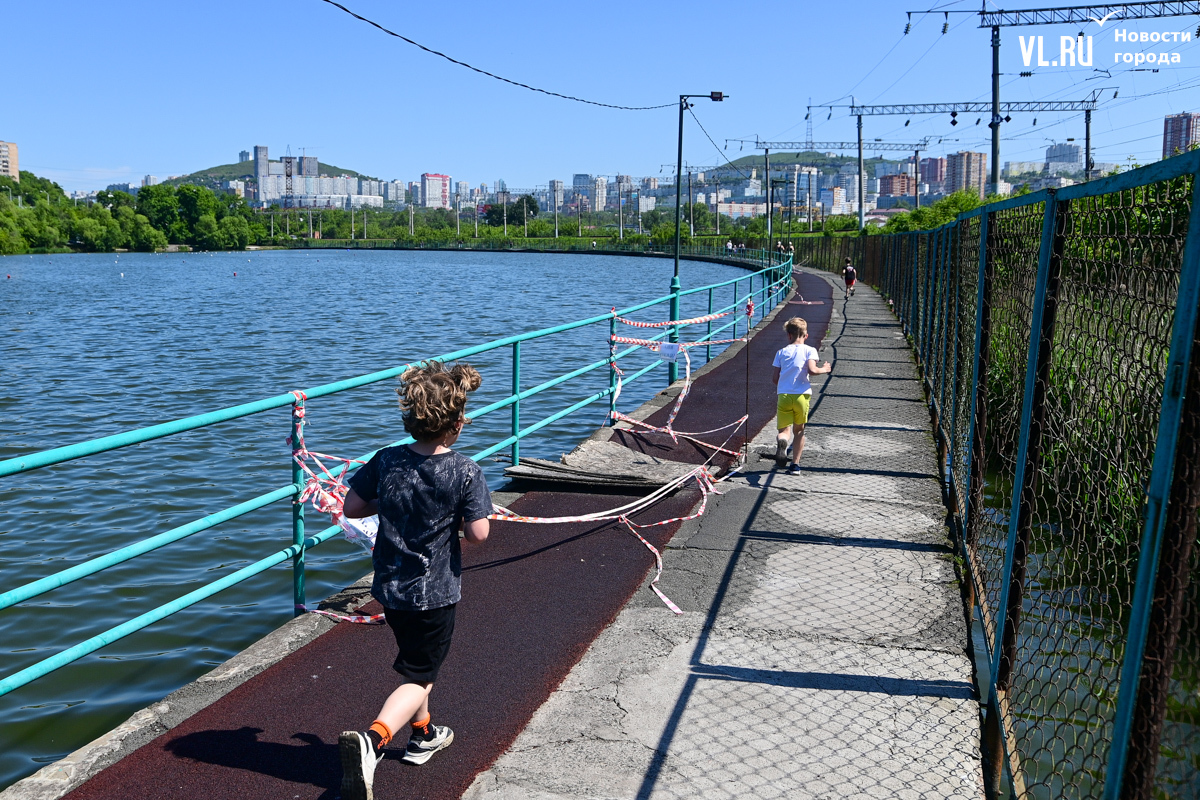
213	177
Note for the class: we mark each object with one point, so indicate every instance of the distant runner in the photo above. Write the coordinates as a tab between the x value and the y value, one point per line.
851	278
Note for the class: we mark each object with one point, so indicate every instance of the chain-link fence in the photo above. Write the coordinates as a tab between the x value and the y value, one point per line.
1057	339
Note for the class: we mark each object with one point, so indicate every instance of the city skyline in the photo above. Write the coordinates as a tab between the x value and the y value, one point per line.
168	123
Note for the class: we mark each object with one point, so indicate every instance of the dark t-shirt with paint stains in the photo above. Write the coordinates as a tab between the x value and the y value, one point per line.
423	500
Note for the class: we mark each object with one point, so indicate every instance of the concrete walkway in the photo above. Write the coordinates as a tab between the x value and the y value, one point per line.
823	652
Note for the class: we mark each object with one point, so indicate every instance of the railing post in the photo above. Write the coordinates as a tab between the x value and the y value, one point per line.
672	367
1029	451
297	440
708	348
736	315
1164	563
612	372
516	406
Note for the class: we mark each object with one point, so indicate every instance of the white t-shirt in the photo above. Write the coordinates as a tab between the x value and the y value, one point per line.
793	368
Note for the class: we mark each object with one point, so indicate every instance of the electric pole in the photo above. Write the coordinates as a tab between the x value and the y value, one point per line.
767	193
862	197
691	208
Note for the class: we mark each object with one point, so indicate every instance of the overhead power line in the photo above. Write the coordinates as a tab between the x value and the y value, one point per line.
452	60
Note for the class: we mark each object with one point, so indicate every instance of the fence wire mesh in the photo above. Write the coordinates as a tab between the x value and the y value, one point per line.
1043	331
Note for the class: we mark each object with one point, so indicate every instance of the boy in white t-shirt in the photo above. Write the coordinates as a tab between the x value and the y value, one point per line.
793	366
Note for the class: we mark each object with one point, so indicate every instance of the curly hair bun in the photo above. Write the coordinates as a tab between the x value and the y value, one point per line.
434	398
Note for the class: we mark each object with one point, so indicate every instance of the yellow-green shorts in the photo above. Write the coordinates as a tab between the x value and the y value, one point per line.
792	409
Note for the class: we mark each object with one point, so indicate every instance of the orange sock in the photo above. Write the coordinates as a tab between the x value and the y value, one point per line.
422	727
384	732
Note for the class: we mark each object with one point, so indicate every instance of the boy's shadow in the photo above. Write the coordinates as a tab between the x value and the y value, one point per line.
314	762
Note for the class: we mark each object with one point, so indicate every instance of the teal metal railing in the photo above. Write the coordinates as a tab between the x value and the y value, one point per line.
765	286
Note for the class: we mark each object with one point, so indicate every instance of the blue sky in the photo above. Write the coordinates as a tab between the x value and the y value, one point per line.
110	92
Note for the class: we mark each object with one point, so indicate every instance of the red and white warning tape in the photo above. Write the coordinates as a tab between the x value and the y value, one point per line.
326	490
672	322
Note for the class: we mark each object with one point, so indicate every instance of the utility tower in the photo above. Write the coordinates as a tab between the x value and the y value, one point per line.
1087	105
1065	15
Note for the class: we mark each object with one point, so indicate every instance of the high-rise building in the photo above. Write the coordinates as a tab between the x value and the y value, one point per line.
581	185
599	193
262	166
8	160
1180	131
649	183
462	188
393	193
893	185
848	183
557	194
435	190
933	170
149	180
243	156
309	165
966	172
1065	154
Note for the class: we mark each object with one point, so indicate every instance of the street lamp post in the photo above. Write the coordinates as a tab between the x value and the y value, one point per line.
716	97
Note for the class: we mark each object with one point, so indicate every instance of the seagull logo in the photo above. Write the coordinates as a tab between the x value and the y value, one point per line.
1104	19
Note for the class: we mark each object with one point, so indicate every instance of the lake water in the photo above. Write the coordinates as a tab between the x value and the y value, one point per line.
99	344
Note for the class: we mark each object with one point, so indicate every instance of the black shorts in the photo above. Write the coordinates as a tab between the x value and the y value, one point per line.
423	639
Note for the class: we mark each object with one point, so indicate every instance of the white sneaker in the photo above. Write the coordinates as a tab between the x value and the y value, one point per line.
421	750
358	765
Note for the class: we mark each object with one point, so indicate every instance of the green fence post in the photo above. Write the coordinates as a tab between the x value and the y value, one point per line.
1160	591
945	277
297	442
932	250
1033	407
915	259
516	406
954	454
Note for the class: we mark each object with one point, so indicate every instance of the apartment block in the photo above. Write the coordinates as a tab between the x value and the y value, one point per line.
1180	131
966	172
8	160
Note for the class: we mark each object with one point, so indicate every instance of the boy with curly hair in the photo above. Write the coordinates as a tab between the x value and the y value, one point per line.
424	493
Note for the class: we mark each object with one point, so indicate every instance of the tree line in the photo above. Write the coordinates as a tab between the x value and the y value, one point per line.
37	216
